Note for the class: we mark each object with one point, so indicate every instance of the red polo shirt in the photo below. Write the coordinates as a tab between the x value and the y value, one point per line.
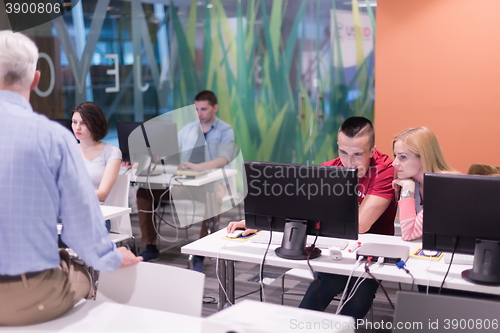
377	181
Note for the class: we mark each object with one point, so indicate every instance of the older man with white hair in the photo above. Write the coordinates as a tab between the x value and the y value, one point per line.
43	178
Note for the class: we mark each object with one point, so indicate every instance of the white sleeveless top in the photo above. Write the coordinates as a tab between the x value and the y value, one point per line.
95	168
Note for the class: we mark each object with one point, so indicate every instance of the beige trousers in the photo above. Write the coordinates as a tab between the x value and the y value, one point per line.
33	300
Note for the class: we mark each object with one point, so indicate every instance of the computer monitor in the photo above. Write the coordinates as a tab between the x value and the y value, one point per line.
297	199
462	215
162	142
123	129
151	143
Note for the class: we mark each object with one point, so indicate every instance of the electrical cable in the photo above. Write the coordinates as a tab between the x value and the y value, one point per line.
250	293
401	265
356	265
353	291
192	200
158	207
170	200
311	249
214	301
367	270
162	219
455	240
261	274
354	288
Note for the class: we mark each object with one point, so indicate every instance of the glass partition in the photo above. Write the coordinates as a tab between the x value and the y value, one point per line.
286	72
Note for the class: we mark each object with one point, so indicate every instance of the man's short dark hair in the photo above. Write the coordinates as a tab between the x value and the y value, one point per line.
94	119
358	126
206	95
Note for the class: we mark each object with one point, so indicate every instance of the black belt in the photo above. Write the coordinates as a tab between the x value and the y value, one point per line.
16	278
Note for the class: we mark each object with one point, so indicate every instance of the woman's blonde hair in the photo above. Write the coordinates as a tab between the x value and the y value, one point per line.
423	143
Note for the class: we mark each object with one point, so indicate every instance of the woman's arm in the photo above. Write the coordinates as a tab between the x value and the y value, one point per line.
410	221
108	179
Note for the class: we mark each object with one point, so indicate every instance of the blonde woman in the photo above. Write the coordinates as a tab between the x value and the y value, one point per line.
416	151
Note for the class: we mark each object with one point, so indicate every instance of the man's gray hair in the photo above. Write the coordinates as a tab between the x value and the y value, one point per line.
18	58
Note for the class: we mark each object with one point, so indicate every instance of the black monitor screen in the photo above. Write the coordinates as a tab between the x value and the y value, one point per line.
124	128
66	123
462	212
281	193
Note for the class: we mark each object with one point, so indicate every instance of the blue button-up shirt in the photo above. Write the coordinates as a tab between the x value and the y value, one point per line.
43	177
220	140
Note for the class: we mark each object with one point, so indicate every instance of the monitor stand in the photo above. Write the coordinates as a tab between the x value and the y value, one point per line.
486	267
293	245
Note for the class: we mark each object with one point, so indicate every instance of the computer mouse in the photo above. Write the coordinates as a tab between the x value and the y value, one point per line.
235	234
430	253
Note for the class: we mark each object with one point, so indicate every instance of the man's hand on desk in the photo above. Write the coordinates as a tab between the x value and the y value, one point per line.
129	259
232	226
190	166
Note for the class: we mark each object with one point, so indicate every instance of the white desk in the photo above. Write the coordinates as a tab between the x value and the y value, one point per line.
425	271
169	171
256	317
109	212
96	316
246	317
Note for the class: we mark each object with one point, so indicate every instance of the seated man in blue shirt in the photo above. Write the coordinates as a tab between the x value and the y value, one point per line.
43	178
195	155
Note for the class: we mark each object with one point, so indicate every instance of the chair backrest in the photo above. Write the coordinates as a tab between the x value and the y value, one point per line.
154	286
119	197
413	309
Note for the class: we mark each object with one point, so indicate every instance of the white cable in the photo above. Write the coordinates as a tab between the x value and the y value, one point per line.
152	206
353	291
154	210
358	283
378	264
356	265
428	277
159	203
190	196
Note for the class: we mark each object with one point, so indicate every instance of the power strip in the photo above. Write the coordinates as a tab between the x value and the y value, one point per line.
392	253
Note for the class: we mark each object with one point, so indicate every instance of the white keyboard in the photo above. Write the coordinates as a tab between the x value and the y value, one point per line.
458	258
323	242
326	242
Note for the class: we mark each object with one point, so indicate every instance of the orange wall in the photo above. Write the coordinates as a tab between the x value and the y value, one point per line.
437	64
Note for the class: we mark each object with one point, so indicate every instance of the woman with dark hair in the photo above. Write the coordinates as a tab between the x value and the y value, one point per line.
102	160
